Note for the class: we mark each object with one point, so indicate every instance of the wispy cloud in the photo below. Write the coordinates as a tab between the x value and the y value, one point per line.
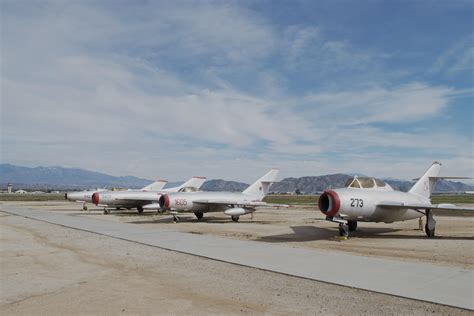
184	88
458	58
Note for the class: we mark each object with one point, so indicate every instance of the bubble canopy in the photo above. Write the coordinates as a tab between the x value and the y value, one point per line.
364	183
188	189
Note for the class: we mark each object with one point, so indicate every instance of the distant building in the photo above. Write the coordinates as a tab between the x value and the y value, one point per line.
21	192
9	188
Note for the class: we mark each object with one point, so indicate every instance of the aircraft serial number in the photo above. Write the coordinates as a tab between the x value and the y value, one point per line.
357	202
180	202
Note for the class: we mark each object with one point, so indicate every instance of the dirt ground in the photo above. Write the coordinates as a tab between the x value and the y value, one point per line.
51	270
307	228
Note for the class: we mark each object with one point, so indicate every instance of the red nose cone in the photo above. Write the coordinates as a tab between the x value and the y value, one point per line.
329	203
95	198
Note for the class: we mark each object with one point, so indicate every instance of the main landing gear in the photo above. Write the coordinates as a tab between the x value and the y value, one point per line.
199	215
235	218
140	210
430	224
106	211
84	207
176	218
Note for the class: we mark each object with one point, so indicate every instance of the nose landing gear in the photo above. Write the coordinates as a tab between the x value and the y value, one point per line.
343	230
199	215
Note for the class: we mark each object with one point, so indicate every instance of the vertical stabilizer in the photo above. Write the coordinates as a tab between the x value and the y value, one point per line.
261	186
155	186
194	182
425	185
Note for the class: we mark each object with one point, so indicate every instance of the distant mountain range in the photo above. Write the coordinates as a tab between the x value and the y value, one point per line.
59	178
320	183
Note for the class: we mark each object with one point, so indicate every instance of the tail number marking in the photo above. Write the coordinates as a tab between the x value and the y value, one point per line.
357	202
180	202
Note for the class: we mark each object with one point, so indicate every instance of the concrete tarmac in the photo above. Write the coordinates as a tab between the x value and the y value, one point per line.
421	281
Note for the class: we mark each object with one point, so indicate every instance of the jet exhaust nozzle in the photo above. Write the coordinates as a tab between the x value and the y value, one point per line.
329	203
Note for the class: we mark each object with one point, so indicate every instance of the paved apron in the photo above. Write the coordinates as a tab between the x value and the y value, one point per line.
421	281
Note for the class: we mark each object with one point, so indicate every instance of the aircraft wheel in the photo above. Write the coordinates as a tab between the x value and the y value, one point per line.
84	208
140	210
106	211
352	225
199	215
343	230
430	224
429	232
117	208
176	219
235	218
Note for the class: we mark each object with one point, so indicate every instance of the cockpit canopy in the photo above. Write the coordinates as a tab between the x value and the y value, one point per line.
188	189
365	183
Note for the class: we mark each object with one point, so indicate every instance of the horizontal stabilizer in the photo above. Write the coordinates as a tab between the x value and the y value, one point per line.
153	206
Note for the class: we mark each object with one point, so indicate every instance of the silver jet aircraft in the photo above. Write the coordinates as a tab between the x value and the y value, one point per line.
86	196
232	204
372	200
143	199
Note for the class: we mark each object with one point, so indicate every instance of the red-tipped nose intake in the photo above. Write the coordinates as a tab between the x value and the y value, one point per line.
164	201
95	198
329	203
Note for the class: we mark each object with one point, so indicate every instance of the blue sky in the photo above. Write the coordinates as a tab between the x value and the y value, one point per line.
228	89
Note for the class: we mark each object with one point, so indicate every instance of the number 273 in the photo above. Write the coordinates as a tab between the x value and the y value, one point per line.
357	202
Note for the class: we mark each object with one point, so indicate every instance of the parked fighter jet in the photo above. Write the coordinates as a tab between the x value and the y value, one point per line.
232	204
372	200
86	196
82	197
143	199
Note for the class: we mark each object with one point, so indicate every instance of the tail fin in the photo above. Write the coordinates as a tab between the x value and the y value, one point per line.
155	186
425	185
194	182
262	185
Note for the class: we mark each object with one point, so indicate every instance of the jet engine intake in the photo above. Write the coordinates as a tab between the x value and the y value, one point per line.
237	211
329	203
164	201
95	198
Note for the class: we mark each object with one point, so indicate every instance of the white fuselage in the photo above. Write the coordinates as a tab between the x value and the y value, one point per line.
128	199
82	196
185	201
361	205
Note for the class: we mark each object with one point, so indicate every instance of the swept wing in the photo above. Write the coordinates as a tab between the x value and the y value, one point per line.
444	207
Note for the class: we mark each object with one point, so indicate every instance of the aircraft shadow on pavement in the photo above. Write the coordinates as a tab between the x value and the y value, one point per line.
312	233
166	218
115	212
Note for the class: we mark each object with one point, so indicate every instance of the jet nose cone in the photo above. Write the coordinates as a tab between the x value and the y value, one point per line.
95	198
329	203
